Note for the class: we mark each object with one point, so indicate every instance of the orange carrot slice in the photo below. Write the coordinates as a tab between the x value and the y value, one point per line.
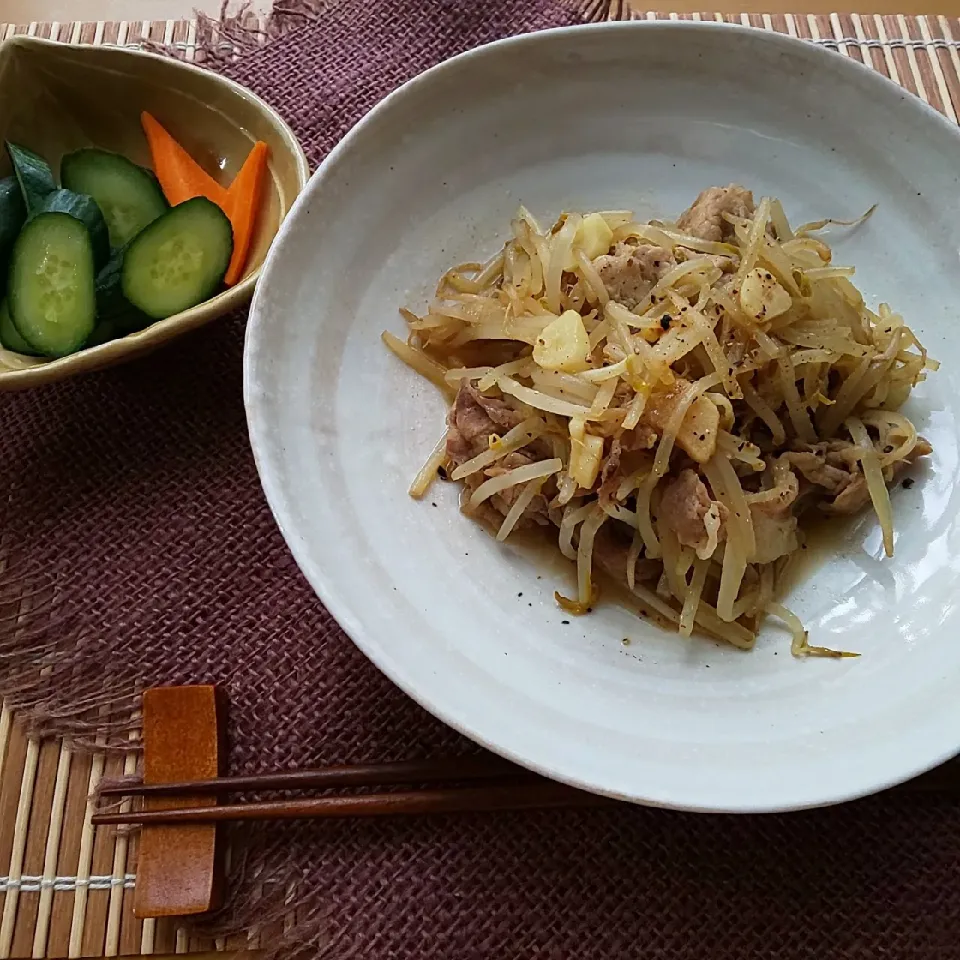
242	206
181	177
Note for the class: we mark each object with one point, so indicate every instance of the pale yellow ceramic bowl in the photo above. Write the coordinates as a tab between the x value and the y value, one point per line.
55	98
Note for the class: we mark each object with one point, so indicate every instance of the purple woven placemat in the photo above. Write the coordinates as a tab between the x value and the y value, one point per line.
134	493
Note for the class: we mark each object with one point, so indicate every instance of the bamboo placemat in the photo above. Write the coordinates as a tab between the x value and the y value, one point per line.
65	889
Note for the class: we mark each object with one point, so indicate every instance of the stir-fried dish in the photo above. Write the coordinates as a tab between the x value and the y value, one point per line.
673	400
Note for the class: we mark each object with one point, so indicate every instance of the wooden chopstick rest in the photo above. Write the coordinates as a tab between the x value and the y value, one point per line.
179	867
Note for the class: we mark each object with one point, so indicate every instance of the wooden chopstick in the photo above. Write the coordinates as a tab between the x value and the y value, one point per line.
539	793
509	787
484	767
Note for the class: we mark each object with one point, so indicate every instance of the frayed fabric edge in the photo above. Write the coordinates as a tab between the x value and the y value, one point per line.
237	33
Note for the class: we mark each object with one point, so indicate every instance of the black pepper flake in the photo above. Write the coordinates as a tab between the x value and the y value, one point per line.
433	504
888	449
565	622
520	594
589	609
442	471
908	483
665	321
768	276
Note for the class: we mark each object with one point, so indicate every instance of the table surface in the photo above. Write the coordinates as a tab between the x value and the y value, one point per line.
46	757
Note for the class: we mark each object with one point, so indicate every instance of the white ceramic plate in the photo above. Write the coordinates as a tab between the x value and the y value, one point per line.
641	116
